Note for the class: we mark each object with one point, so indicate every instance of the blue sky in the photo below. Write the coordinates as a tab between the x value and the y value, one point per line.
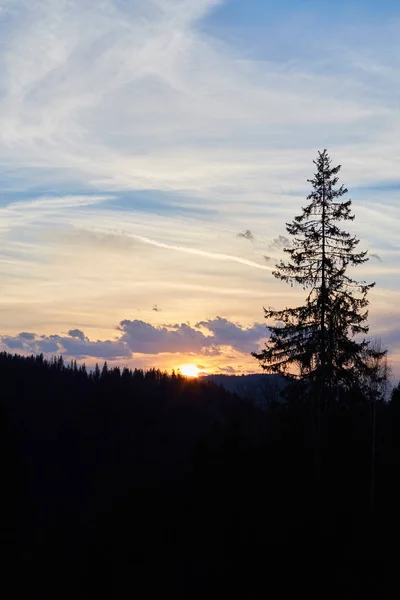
263	12
138	139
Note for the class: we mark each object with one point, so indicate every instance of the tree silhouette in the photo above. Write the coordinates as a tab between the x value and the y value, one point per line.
104	371
109	480
320	340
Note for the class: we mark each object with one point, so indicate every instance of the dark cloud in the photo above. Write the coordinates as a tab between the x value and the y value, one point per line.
77	333
226	333
107	349
139	337
46	346
75	344
26	336
144	338
247	235
13	343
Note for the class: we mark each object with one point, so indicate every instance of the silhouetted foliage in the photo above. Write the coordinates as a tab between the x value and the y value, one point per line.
319	340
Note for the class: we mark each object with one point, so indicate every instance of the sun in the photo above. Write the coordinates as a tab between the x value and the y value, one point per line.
189	370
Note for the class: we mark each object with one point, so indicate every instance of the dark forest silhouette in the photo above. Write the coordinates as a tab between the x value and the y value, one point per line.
116	481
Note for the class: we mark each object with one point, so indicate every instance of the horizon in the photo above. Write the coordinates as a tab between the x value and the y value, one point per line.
151	153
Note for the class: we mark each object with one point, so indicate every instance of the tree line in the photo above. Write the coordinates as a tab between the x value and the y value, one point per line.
115	483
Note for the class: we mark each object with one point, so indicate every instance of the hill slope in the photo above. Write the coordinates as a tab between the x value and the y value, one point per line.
260	387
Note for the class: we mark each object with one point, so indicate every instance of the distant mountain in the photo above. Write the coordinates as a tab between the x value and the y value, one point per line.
258	386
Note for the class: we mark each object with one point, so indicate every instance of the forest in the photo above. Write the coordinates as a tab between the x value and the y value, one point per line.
130	482
114	482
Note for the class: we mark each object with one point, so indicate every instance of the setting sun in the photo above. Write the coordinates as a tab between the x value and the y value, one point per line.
189	370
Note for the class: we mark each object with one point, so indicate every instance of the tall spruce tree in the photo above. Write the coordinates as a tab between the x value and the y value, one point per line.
320	341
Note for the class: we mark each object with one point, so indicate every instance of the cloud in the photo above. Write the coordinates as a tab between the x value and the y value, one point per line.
75	344
139	95
211	351
229	370
77	333
247	235
26	336
49	346
226	333
203	253
13	343
139	337
145	338
108	241
107	349
25	213
280	242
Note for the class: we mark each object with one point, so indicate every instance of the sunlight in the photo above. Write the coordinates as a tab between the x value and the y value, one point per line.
189	370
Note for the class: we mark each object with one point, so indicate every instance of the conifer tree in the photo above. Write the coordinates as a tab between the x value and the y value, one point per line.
104	371
96	373
320	340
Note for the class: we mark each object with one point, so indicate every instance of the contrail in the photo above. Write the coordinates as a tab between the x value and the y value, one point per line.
213	255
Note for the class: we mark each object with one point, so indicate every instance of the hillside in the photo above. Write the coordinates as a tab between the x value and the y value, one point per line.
260	387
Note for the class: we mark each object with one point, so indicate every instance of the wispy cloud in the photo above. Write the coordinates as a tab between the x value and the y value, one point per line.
204	253
134	95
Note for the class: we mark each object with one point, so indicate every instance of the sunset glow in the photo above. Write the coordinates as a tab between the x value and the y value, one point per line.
189	370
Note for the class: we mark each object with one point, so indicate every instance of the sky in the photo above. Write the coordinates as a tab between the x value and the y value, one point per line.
151	152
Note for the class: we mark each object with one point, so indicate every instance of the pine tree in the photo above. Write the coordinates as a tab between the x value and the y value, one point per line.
96	373
319	341
104	371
